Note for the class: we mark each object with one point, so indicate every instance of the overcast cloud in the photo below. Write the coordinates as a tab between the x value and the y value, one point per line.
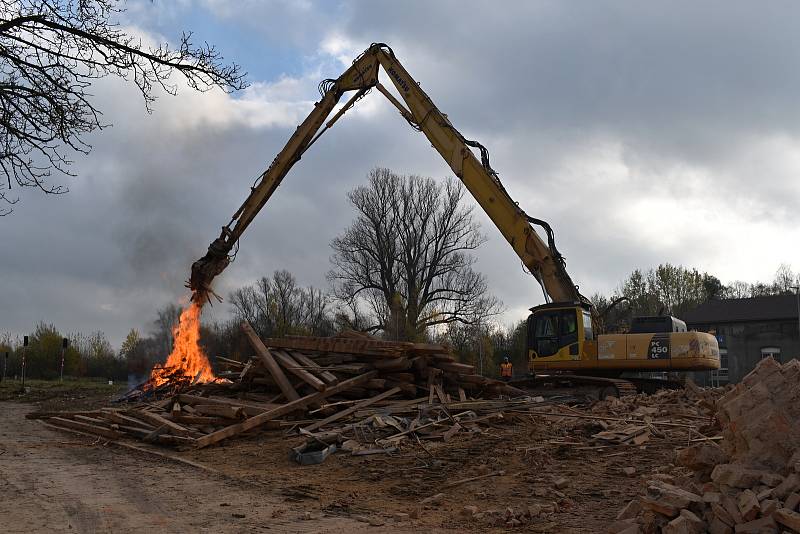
643	132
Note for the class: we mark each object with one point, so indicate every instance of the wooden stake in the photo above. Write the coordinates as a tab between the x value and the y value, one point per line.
327	376
293	367
270	363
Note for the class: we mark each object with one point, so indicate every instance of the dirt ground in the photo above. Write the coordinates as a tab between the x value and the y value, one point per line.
52	481
55	481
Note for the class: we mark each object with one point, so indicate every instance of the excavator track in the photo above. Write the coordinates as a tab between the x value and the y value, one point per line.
596	386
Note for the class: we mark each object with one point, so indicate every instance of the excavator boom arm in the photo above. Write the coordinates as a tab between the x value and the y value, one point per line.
541	258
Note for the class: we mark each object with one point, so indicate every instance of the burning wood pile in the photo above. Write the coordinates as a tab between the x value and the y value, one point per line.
326	388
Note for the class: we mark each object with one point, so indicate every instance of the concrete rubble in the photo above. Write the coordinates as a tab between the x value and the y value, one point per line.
745	481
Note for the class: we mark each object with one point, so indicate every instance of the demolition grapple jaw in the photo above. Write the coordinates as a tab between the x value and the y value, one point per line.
206	269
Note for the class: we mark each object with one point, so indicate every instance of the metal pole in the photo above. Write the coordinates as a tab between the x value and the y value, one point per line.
24	351
797	292
64	344
24	354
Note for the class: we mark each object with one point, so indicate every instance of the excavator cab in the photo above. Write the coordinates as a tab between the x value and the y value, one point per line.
558	331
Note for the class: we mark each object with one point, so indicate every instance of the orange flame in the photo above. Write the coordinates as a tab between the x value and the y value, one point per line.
187	358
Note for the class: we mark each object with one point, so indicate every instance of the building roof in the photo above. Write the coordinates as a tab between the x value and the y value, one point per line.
769	308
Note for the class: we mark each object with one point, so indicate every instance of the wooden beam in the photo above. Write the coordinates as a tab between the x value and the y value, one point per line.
156	420
392	365
289	407
350	410
220	410
327	376
455	367
249	409
85	427
364	347
270	363
295	368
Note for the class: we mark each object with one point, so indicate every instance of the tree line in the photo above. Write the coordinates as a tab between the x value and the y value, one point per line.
674	289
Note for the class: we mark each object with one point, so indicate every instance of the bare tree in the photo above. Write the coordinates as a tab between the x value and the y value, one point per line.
785	279
278	306
50	53
406	256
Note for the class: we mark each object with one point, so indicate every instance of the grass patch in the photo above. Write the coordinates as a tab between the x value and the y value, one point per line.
71	394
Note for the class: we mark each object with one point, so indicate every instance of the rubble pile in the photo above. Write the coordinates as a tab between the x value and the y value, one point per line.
747	480
351	390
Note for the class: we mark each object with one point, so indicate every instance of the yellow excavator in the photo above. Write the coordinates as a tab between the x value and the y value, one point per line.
561	337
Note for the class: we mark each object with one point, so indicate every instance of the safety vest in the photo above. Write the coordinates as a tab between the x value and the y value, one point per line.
505	369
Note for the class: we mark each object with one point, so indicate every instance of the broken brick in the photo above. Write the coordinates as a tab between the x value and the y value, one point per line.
768	506
736	476
792	501
765	525
717	526
788	518
685	523
701	457
748	505
667	499
733	509
790	484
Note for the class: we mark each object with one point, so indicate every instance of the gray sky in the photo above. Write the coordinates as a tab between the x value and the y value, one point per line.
643	132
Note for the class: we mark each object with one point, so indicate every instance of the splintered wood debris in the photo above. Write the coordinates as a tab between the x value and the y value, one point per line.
364	395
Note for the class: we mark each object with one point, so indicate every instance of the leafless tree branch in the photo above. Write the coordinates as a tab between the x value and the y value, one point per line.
51	51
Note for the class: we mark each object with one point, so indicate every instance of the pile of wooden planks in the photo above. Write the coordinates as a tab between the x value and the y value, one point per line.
311	385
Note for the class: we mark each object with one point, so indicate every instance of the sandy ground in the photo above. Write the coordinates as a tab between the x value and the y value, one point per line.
52	481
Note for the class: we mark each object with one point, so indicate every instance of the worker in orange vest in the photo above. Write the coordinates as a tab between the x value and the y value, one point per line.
506	369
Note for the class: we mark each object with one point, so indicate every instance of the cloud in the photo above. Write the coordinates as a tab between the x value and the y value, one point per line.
643	133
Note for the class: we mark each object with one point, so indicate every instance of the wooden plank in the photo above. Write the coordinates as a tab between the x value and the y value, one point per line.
228	361
120	419
270	363
91	420
364	347
249	409
327	376
245	370
408	378
440	393
45	415
455	367
200	420
453	430
220	410
296	369
348	411
258	420
376	383
85	427
392	365
157	420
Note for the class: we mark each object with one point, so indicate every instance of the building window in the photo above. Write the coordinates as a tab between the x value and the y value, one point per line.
719	377
775	352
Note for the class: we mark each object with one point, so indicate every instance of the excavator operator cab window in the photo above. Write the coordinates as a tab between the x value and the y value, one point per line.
569	328
553	330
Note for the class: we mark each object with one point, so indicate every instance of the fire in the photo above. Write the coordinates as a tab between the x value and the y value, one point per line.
187	361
